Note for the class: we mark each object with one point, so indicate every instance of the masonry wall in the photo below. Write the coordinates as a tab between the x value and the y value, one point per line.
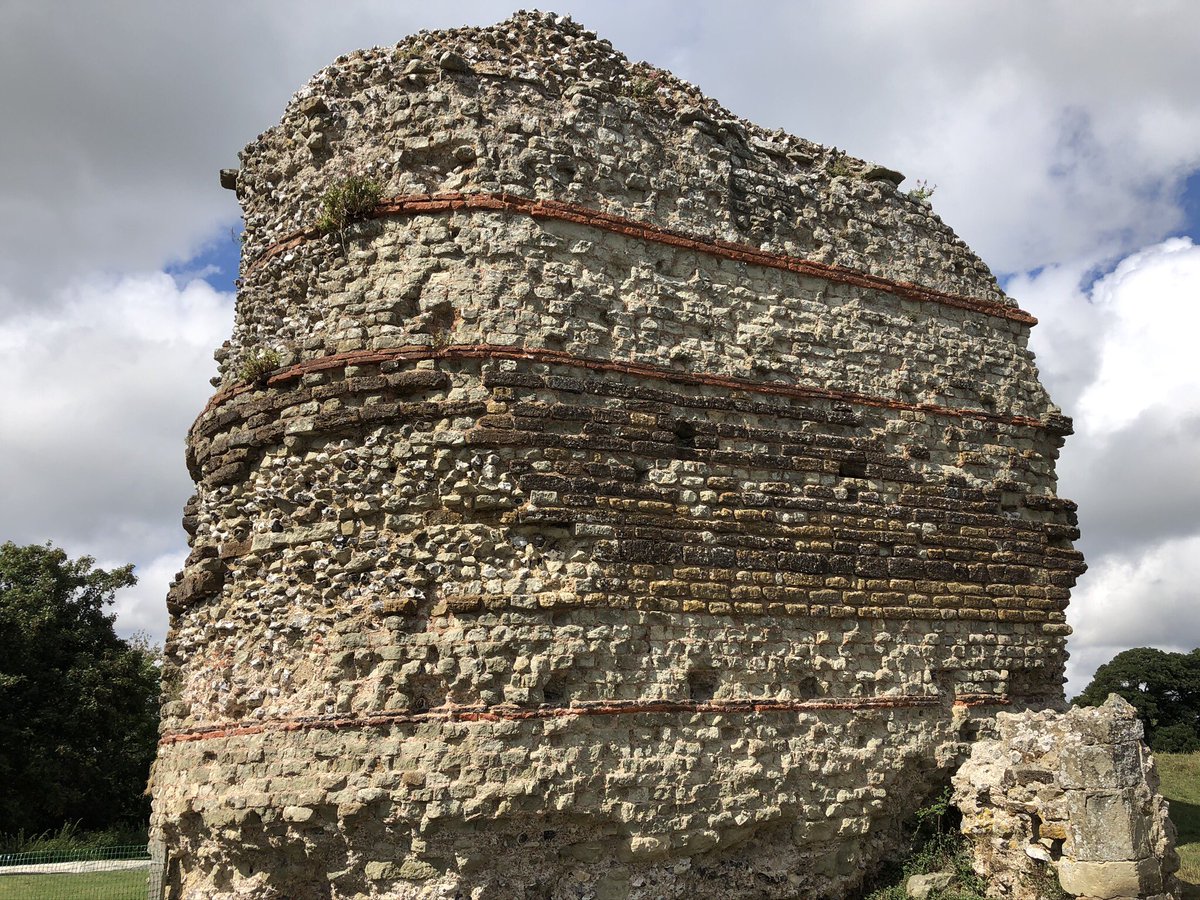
1068	803
643	504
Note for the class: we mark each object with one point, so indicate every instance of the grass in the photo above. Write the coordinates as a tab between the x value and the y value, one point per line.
348	200
71	838
130	883
70	842
1180	774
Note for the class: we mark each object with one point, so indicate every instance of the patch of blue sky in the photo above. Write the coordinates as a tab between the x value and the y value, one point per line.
1186	192
1189	202
1006	278
216	263
1187	197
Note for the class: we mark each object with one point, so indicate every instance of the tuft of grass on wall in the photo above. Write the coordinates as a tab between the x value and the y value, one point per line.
258	363
348	200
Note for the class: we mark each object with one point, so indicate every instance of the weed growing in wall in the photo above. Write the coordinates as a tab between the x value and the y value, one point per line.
937	846
642	88
923	191
645	84
258	363
839	166
347	201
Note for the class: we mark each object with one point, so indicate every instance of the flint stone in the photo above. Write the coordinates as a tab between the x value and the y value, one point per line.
452	62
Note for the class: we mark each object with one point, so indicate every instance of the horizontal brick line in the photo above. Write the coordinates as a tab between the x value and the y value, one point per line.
641	370
762	607
581	215
599	708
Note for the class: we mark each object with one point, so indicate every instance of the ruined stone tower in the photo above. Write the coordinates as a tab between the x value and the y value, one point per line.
615	500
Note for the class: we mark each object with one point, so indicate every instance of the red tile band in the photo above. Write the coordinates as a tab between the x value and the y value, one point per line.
581	215
600	708
642	370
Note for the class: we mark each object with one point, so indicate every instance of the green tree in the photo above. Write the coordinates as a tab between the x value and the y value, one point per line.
78	704
1163	687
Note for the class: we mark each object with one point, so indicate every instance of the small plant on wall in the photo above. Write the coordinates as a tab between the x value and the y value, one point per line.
923	191
348	200
839	166
258	363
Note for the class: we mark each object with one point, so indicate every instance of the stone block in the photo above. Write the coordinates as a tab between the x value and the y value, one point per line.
1103	766
1108	825
1110	880
381	871
919	887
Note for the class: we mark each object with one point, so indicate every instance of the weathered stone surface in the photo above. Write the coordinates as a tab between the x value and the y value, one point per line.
1072	795
637	503
919	887
1118	880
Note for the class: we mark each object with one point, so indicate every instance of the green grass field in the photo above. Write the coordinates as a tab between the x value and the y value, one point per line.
126	885
1180	774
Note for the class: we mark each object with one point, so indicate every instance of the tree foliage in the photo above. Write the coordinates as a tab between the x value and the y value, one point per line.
78	704
1163	687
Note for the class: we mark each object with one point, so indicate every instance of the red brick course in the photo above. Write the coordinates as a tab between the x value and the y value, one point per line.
591	218
513	713
642	370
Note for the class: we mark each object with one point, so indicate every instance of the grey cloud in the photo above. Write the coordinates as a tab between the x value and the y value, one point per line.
1137	486
126	112
1144	599
130	108
974	97
95	404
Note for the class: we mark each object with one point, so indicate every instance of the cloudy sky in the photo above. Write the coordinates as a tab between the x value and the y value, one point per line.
1063	137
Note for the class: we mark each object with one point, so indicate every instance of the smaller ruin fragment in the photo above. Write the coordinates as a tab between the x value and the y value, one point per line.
1071	797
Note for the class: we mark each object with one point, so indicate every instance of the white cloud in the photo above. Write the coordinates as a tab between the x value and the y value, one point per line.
99	391
1068	332
1149	302
1147	600
1123	357
142	608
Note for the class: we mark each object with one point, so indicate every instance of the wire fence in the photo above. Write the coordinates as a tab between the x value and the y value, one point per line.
107	873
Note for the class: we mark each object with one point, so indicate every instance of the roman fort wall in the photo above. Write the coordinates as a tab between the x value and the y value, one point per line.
631	502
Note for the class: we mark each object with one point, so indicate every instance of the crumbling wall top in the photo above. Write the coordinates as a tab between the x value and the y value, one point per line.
539	107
